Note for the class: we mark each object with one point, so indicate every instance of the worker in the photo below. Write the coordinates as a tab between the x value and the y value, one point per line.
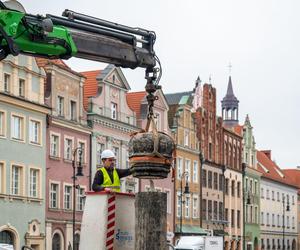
107	178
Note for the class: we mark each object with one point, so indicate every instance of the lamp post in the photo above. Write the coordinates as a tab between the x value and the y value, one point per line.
287	208
245	202
74	177
186	191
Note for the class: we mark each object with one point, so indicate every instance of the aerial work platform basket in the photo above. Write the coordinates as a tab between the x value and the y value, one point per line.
108	221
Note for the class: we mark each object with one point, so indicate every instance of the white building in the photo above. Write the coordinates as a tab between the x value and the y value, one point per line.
278	201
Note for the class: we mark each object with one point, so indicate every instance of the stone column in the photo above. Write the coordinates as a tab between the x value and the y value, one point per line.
150	221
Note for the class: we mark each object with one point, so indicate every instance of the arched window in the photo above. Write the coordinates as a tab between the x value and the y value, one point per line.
7	237
56	242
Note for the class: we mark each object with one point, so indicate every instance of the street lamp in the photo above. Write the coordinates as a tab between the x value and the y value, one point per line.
74	177
186	191
247	201
287	208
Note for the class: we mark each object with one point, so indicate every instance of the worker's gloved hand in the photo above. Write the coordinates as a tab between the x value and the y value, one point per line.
108	189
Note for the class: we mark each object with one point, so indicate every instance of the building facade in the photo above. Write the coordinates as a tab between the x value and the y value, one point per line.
22	133
232	158
111	119
210	135
278	219
187	180
251	191
67	134
137	102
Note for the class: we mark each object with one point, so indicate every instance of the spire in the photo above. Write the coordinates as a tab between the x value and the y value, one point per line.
230	106
198	81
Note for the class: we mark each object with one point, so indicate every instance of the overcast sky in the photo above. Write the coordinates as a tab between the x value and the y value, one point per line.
195	38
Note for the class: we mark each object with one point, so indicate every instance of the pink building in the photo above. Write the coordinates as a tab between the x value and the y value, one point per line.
138	103
67	132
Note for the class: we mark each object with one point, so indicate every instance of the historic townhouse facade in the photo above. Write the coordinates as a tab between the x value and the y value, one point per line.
210	134
138	103
279	229
67	134
110	118
251	191
22	133
232	159
183	126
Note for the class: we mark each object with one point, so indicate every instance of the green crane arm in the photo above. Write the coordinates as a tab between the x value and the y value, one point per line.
75	35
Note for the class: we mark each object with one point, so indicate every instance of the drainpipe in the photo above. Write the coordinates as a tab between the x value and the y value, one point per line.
244	205
91	164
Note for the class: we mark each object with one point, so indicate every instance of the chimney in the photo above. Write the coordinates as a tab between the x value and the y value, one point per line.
267	153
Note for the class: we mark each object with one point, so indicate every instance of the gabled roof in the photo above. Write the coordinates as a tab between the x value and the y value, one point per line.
134	100
43	62
294	175
175	98
90	86
271	171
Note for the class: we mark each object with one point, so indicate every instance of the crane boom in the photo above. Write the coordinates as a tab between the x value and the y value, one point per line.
75	35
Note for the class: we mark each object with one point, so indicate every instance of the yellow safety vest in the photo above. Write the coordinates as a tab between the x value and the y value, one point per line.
115	186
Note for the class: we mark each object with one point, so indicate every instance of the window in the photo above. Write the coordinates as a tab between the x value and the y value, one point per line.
81	145
117	154
216	181
215	210
226	214
251	186
68	197
255	187
256	215
293	200
238	189
2	123
168	192
226	186
204	209
221	182
186	138
21	87
54	195
262	218
293	222
209	209
195	207
54	145
80	198
188	169
157	121
34	179
16	180
262	193
273	195
2	176
268	219
195	171
238	219
17	127
220	210
273	220
204	180
251	214
278	196
35	132
210	150
187	207
60	106
288	221
99	149
232	218
178	205
68	148
114	111
268	194
232	187
7	83
209	179
278	220
73	113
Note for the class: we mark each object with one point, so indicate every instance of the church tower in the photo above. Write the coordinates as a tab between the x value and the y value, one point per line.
230	107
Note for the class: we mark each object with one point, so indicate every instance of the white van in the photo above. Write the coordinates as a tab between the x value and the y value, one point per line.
200	243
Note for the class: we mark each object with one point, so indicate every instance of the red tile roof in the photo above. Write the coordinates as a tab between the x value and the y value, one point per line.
273	171
134	100
238	129
90	86
294	175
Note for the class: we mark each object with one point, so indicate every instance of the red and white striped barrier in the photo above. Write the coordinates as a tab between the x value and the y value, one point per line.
111	216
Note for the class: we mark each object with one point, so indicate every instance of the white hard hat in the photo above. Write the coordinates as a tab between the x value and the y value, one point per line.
107	154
